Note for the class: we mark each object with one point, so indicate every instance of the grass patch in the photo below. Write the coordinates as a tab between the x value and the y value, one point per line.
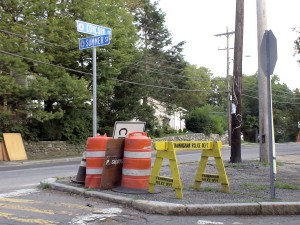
235	193
236	165
188	163
207	189
250	186
44	185
91	189
287	186
279	163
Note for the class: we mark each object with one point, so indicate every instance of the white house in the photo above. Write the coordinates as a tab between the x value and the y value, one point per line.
174	119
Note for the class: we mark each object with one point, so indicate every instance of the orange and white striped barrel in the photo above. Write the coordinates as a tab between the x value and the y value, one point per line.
95	155
136	161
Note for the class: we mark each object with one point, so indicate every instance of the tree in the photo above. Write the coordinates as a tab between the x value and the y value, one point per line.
285	104
197	85
44	36
250	111
160	60
156	65
218	97
203	120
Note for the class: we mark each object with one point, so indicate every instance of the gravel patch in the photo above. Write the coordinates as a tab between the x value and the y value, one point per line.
249	181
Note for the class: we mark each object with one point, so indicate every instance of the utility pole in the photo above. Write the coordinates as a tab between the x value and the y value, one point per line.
227	34
236	119
264	144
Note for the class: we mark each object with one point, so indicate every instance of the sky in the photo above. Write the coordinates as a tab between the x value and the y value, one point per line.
198	21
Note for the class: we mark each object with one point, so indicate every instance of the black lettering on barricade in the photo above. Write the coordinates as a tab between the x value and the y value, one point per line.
164	181
204	145
182	145
211	178
191	145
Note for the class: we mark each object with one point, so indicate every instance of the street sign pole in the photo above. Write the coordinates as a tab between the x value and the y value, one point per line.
271	62
272	153
94	92
101	36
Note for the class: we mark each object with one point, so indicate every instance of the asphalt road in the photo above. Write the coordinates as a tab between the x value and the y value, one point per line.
50	208
289	152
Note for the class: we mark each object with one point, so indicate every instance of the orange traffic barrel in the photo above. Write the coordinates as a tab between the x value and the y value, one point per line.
136	161
95	155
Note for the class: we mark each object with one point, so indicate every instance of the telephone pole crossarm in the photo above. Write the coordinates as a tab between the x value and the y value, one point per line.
222	34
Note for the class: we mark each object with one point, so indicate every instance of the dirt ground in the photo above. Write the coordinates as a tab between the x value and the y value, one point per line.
249	181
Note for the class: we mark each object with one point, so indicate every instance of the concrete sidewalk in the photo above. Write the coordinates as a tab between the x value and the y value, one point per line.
166	208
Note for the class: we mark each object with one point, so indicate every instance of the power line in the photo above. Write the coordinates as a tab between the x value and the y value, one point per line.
289	94
39	40
254	97
175	75
36	39
153	70
48	64
156	69
77	71
161	87
130	82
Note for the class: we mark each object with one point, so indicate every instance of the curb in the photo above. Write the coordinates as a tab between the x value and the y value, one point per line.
41	161
166	208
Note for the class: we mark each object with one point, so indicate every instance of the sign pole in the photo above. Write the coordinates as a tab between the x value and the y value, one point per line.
101	36
272	153
94	93
271	43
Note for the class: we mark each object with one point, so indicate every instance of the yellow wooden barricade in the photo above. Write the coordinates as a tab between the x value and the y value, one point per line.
167	150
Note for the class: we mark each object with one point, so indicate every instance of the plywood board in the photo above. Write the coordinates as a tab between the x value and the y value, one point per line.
3	152
14	146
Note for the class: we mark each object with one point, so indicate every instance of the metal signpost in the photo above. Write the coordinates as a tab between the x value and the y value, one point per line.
102	37
271	55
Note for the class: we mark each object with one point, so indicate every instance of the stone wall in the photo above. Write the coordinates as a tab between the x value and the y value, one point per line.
60	149
52	149
196	137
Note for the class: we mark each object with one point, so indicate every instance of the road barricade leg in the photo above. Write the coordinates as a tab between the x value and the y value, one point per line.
174	182
221	177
